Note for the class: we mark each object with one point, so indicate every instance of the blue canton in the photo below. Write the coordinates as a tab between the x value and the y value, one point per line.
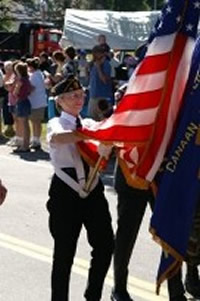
178	16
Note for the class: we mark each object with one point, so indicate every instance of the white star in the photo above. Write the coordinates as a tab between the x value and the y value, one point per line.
160	24
189	27
178	19
168	9
197	4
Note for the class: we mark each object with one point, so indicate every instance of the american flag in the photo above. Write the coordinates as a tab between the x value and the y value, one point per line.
143	122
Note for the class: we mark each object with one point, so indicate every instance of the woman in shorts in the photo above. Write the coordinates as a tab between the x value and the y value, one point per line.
22	90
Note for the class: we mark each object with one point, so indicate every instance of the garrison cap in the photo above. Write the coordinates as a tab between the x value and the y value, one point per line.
69	84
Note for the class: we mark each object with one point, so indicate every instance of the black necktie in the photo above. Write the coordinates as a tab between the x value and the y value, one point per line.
78	123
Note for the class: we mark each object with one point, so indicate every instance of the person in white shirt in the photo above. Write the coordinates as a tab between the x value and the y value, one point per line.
38	100
70	206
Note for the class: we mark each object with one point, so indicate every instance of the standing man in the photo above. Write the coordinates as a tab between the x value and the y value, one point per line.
131	207
69	206
100	83
132	203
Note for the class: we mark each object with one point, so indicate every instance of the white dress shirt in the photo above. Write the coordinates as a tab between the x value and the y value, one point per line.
66	155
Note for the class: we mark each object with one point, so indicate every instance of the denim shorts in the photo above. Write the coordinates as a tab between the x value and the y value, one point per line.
12	109
23	108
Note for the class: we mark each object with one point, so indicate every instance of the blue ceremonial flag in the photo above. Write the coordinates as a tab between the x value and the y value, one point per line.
179	187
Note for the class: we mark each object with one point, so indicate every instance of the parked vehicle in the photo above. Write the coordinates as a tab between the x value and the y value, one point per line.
32	39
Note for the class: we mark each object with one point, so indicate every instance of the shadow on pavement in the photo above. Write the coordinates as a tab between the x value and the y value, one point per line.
33	156
107	176
3	140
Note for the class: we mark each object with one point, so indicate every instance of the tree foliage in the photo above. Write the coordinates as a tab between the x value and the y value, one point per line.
130	5
157	3
5	20
56	9
119	5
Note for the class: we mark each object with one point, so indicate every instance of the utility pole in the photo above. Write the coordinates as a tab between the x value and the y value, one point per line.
155	5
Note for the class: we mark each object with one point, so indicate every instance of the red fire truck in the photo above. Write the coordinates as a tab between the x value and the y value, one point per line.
32	39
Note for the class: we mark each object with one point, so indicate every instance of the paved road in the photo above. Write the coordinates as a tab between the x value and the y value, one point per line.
26	245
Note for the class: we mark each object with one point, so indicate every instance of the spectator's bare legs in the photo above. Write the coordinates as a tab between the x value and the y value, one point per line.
18	139
37	130
24	131
17	130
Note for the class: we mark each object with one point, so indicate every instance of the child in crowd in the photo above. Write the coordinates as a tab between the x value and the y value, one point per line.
105	108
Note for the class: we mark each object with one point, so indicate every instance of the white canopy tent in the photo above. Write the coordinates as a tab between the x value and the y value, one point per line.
124	30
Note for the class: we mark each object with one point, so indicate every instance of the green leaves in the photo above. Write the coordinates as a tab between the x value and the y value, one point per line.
56	9
5	21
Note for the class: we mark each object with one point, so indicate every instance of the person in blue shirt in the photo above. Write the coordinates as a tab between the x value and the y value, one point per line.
100	83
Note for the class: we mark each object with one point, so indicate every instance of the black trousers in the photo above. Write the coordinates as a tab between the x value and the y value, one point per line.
131	208
175	286
68	213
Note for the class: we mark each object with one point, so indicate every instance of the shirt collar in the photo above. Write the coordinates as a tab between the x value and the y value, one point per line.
69	117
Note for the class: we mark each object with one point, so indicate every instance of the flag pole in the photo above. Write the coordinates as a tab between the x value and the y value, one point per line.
92	175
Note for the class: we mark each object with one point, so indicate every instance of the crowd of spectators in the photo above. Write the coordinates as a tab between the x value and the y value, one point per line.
26	84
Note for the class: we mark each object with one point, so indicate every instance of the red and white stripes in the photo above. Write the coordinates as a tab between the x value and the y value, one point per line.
147	114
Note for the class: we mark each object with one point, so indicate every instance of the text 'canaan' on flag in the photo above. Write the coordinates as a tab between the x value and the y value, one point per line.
175	217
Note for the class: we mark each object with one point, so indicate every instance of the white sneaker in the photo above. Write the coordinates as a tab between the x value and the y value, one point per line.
14	142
